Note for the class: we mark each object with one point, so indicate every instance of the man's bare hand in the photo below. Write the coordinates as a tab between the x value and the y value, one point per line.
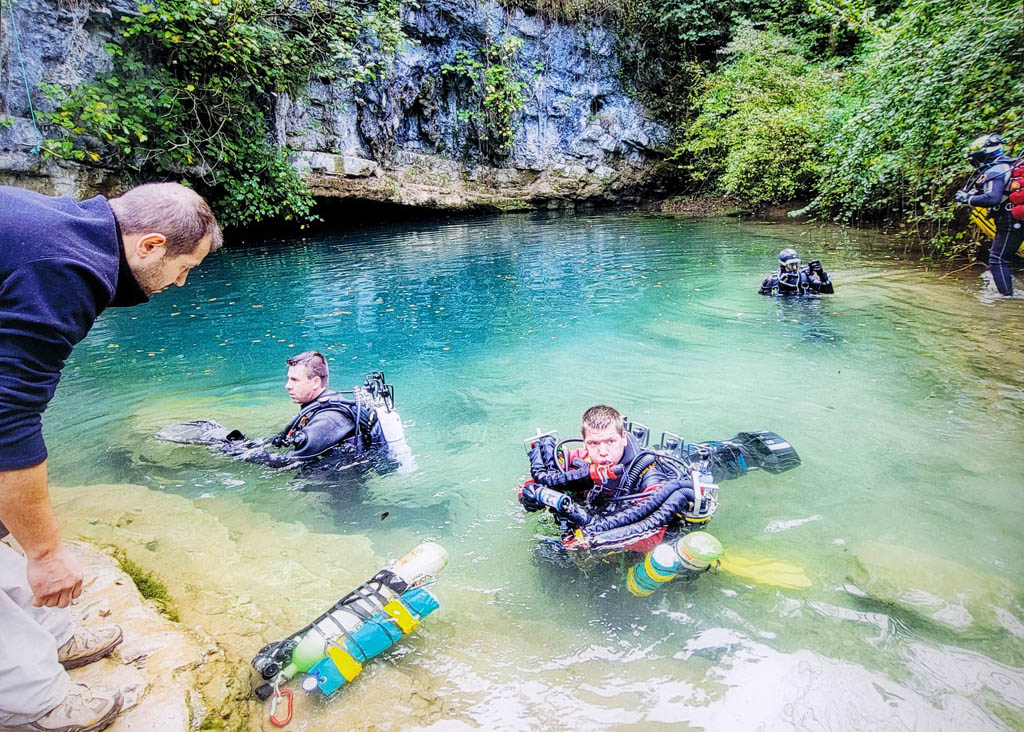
55	578
53	574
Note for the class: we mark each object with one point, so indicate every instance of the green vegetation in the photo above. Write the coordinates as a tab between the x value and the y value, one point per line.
759	121
495	94
150	587
861	108
933	76
190	93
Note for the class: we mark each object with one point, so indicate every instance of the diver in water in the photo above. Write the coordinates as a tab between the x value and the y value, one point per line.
987	189
326	419
792	279
329	424
614	494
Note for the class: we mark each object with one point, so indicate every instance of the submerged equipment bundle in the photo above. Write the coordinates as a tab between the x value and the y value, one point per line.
363	624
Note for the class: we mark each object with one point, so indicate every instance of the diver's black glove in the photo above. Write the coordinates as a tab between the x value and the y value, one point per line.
961	197
528	497
815	267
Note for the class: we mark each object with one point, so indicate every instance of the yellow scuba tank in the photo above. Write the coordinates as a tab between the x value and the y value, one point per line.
986	224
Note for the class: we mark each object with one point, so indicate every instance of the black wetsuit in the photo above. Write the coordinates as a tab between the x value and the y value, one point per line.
329	426
629	510
318	427
987	188
801	282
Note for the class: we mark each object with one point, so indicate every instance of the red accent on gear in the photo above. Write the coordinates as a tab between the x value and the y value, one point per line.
288	717
648	544
575	542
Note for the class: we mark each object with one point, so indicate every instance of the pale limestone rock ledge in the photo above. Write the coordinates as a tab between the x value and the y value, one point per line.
158	665
417	180
56	178
429	181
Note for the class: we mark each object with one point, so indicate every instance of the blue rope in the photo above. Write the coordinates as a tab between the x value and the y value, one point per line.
24	76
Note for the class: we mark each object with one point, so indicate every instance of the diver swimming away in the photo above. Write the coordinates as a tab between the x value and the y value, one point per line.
614	494
331	427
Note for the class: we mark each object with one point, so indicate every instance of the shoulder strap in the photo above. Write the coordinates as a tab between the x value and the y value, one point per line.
327	400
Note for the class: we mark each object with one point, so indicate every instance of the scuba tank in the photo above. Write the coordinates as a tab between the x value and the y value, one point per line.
394	434
380	396
686	557
361	625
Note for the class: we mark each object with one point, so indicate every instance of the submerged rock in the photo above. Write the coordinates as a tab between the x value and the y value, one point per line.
965	600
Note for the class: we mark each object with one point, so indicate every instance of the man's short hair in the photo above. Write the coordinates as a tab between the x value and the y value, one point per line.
602	417
179	213
315	363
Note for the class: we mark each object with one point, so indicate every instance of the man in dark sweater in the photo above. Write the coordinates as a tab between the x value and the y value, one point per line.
63	263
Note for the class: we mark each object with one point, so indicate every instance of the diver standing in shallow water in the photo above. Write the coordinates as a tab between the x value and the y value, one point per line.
986	188
792	279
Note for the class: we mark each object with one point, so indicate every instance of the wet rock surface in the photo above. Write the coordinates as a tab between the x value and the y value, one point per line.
947	596
579	137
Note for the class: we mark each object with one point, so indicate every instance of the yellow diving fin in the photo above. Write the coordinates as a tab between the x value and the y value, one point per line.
766	571
985	223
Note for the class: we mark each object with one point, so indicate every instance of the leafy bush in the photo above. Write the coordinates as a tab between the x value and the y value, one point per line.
933	76
760	121
494	93
192	85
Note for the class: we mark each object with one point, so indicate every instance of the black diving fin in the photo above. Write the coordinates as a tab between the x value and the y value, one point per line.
199	432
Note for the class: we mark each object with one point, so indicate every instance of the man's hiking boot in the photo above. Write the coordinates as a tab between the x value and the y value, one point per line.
83	710
86	646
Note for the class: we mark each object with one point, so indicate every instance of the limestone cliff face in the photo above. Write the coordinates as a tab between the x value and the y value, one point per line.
579	136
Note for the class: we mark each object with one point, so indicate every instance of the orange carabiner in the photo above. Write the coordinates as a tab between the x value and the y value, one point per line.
273	708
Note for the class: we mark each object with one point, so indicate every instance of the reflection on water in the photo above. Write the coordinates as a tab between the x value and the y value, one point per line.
903	393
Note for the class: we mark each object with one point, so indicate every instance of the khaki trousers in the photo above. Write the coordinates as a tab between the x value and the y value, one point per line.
31	681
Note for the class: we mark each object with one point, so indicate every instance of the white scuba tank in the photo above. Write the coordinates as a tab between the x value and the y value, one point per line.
391	425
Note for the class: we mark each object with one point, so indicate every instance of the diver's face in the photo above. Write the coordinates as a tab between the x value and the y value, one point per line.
605	447
301	386
791	265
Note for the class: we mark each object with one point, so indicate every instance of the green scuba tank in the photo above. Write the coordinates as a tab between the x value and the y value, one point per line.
305	655
694	553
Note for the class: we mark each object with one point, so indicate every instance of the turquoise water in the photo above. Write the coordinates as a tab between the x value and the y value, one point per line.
903	393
